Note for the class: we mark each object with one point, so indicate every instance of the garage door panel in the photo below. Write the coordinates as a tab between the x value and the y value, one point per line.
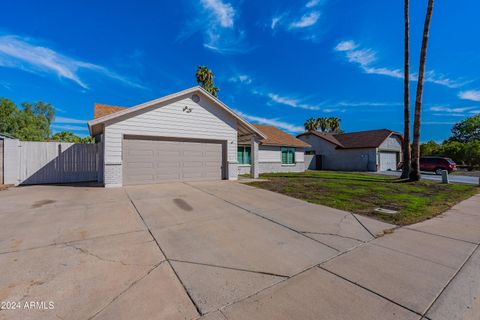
153	161
388	161
137	166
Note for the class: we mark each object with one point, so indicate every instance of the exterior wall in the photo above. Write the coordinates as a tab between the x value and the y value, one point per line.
392	143
270	160
342	159
310	162
205	121
279	167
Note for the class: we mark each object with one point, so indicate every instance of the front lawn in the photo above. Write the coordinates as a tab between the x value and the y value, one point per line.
362	193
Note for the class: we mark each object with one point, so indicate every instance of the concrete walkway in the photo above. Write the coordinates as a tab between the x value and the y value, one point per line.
223	250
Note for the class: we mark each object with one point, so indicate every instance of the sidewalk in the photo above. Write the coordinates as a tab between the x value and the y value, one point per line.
430	270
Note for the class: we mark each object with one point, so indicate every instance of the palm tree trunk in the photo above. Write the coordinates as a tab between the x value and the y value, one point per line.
415	173
406	97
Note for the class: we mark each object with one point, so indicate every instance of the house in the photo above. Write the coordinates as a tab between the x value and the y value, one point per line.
188	135
279	152
373	150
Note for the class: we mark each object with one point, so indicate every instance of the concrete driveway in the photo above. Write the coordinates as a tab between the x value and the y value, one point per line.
223	250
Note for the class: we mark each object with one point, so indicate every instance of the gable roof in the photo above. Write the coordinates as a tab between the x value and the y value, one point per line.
277	137
101	110
110	117
354	140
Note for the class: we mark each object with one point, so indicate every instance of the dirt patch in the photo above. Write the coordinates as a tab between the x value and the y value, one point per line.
15	244
40	203
4	187
182	204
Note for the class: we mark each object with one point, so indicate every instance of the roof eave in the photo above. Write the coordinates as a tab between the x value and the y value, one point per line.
112	116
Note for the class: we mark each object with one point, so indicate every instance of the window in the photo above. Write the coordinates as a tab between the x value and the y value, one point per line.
288	155
244	154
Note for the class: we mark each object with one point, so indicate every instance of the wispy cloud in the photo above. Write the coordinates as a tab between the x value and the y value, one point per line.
473	95
291	102
346	45
368	104
303	20
275	21
69	120
223	12
67	127
365	58
307	20
241	78
312	3
24	54
438	122
455	112
293	128
217	21
450	110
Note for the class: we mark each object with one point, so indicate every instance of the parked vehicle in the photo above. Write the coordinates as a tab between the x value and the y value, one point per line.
435	164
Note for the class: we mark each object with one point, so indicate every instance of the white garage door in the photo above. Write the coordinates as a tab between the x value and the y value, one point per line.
388	161
154	161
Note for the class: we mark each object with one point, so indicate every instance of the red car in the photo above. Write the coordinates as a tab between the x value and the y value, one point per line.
437	164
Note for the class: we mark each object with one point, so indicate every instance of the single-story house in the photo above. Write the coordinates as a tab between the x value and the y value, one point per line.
373	150
188	135
278	152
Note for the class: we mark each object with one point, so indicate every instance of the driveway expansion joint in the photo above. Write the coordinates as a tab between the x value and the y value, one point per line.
414	256
371	291
441	235
451	279
230	268
84	251
197	308
335	235
124	291
263	217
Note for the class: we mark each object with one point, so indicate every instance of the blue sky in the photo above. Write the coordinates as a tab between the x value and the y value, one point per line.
276	62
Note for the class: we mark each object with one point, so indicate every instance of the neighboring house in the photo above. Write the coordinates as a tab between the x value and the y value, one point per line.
373	150
279	152
188	135
8	159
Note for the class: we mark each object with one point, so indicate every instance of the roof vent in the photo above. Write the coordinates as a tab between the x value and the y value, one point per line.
195	98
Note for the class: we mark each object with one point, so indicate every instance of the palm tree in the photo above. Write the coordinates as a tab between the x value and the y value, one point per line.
323	124
415	173
334	124
406	97
204	78
311	124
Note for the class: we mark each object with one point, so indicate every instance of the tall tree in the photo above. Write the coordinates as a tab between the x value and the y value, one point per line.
415	172
311	124
467	130
323	124
334	124
407	157
32	122
204	78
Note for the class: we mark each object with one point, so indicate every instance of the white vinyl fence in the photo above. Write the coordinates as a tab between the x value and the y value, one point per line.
55	162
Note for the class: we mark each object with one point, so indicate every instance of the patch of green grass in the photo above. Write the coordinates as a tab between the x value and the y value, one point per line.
362	193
